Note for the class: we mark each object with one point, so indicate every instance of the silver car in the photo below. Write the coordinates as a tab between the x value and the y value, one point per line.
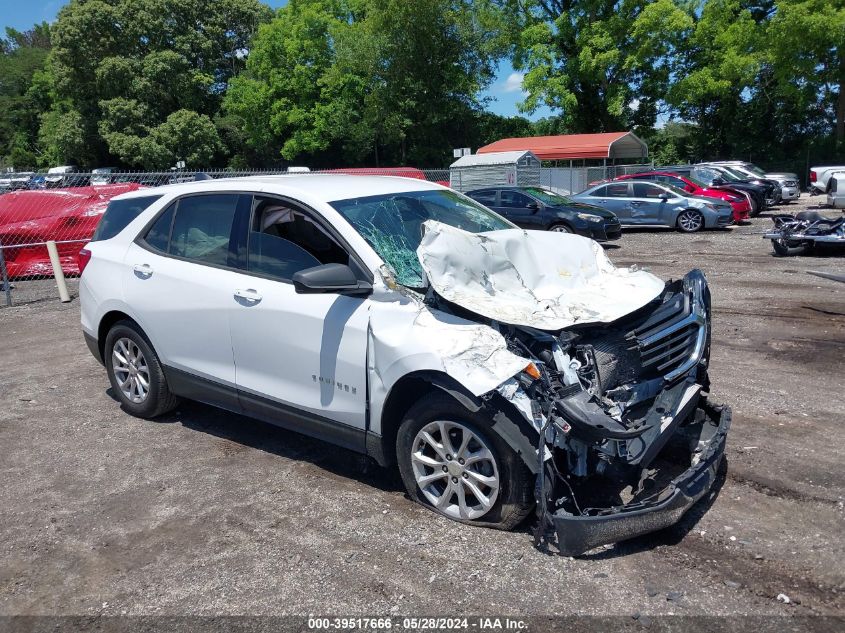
639	202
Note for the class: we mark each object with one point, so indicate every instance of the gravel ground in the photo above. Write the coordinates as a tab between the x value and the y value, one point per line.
206	512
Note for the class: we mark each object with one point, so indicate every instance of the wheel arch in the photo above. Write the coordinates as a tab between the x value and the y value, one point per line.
505	418
106	323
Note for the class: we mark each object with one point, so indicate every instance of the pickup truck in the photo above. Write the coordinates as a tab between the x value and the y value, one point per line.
820	181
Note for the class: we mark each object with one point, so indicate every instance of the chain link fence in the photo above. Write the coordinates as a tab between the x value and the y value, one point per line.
44	211
40	212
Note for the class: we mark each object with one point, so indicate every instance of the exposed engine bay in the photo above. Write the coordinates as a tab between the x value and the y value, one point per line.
622	415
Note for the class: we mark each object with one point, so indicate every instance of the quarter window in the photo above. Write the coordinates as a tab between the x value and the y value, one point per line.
119	214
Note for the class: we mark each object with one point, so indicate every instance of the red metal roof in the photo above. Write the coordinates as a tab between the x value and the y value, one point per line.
569	146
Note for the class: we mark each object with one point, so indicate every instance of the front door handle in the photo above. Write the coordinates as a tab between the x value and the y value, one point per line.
143	270
248	295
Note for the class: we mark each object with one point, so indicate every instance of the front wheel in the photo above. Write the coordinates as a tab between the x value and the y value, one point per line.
690	221
454	462
788	248
560	228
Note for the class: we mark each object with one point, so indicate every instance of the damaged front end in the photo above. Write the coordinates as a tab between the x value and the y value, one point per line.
615	384
628	441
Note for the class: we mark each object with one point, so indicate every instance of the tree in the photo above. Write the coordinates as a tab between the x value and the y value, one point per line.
22	56
343	81
588	60
122	68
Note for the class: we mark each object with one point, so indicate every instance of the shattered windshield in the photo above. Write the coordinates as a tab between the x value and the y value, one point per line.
392	224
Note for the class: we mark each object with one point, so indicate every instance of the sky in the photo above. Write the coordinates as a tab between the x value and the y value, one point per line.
505	91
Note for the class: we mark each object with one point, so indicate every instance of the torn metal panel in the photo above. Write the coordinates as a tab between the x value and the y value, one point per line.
407	336
539	279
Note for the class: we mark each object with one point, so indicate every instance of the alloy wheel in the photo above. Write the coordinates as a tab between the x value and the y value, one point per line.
690	221
455	470
131	370
560	228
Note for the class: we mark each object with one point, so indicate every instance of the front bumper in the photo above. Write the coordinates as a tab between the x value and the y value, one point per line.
578	534
603	233
790	193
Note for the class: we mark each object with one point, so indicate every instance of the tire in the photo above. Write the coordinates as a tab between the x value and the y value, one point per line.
513	498
690	221
127	342
783	249
560	228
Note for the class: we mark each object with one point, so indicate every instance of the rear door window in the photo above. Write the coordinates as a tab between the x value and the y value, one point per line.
515	200
617	190
159	234
643	190
487	198
202	228
119	214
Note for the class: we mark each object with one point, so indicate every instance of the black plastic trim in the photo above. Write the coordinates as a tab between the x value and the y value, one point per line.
578	534
93	347
228	397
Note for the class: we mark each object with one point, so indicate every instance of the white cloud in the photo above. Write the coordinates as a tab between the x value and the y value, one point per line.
514	82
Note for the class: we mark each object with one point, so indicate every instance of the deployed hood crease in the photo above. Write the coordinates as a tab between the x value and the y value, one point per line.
538	279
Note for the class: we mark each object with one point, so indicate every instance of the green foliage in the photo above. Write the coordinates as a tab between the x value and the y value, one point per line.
22	56
144	83
380	80
135	71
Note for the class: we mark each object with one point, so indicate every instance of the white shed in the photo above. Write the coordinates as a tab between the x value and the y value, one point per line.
520	168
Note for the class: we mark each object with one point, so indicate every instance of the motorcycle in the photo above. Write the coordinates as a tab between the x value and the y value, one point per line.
797	234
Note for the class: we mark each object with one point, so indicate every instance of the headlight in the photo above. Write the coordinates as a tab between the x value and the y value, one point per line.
589	217
710	205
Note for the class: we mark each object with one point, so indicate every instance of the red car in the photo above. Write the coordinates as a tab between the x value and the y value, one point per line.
68	216
740	203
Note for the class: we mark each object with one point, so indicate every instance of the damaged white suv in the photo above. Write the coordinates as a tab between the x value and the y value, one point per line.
500	369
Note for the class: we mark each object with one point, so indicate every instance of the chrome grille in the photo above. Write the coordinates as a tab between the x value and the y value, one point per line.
675	341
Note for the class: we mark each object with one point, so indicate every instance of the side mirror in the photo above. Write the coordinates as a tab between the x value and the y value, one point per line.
718	181
533	206
664	196
337	278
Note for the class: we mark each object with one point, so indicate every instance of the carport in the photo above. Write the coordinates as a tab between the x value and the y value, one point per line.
607	146
577	158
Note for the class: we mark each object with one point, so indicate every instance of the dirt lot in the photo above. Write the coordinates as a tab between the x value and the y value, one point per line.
204	512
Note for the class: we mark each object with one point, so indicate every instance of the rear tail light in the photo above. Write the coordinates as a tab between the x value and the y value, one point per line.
83	258
813	177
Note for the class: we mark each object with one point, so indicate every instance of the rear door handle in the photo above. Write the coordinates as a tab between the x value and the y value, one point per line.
144	270
248	295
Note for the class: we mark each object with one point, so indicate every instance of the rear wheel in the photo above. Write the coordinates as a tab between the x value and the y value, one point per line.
787	248
452	461
690	221
135	373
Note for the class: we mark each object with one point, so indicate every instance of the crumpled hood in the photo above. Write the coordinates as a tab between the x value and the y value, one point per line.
533	278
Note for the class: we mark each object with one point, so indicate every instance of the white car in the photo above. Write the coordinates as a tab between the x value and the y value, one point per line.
789	185
405	321
820	177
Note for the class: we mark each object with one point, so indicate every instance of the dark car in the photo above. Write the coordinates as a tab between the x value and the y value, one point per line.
714	177
543	210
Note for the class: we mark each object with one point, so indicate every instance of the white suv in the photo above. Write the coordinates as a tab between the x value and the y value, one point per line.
402	320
